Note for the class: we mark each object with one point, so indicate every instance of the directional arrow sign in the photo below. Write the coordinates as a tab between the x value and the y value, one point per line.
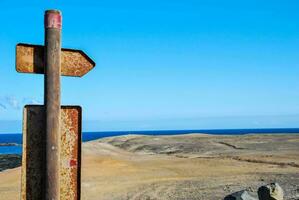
30	59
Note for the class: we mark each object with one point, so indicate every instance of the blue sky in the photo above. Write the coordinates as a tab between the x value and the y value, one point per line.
163	64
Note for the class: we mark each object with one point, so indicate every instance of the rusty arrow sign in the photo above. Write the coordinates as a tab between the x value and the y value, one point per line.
30	59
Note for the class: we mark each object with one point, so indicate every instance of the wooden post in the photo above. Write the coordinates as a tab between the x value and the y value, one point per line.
52	102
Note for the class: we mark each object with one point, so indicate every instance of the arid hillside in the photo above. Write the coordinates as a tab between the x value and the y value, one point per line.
194	166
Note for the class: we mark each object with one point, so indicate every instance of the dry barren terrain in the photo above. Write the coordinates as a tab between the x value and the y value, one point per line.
194	166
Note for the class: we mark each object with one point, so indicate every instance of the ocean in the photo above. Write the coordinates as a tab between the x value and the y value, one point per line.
88	136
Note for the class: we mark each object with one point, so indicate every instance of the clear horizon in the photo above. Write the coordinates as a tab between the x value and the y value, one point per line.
163	65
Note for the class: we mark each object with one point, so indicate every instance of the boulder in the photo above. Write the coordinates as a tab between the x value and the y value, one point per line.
241	195
271	191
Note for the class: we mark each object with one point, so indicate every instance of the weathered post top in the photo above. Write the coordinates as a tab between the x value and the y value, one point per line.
53	19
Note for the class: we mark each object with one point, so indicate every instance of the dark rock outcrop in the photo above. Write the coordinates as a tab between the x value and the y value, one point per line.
271	191
8	161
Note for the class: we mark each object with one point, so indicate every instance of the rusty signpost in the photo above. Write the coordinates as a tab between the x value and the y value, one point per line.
51	157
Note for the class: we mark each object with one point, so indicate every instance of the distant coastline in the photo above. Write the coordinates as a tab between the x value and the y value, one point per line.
16	138
11	143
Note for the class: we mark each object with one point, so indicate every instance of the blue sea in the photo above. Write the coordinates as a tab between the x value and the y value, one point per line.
88	136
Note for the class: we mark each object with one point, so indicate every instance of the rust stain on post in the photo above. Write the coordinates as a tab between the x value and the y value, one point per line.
33	158
30	59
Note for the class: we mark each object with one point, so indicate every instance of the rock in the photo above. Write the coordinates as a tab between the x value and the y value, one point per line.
8	161
271	191
241	195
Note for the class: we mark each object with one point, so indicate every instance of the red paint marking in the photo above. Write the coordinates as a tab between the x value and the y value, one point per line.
73	163
53	20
